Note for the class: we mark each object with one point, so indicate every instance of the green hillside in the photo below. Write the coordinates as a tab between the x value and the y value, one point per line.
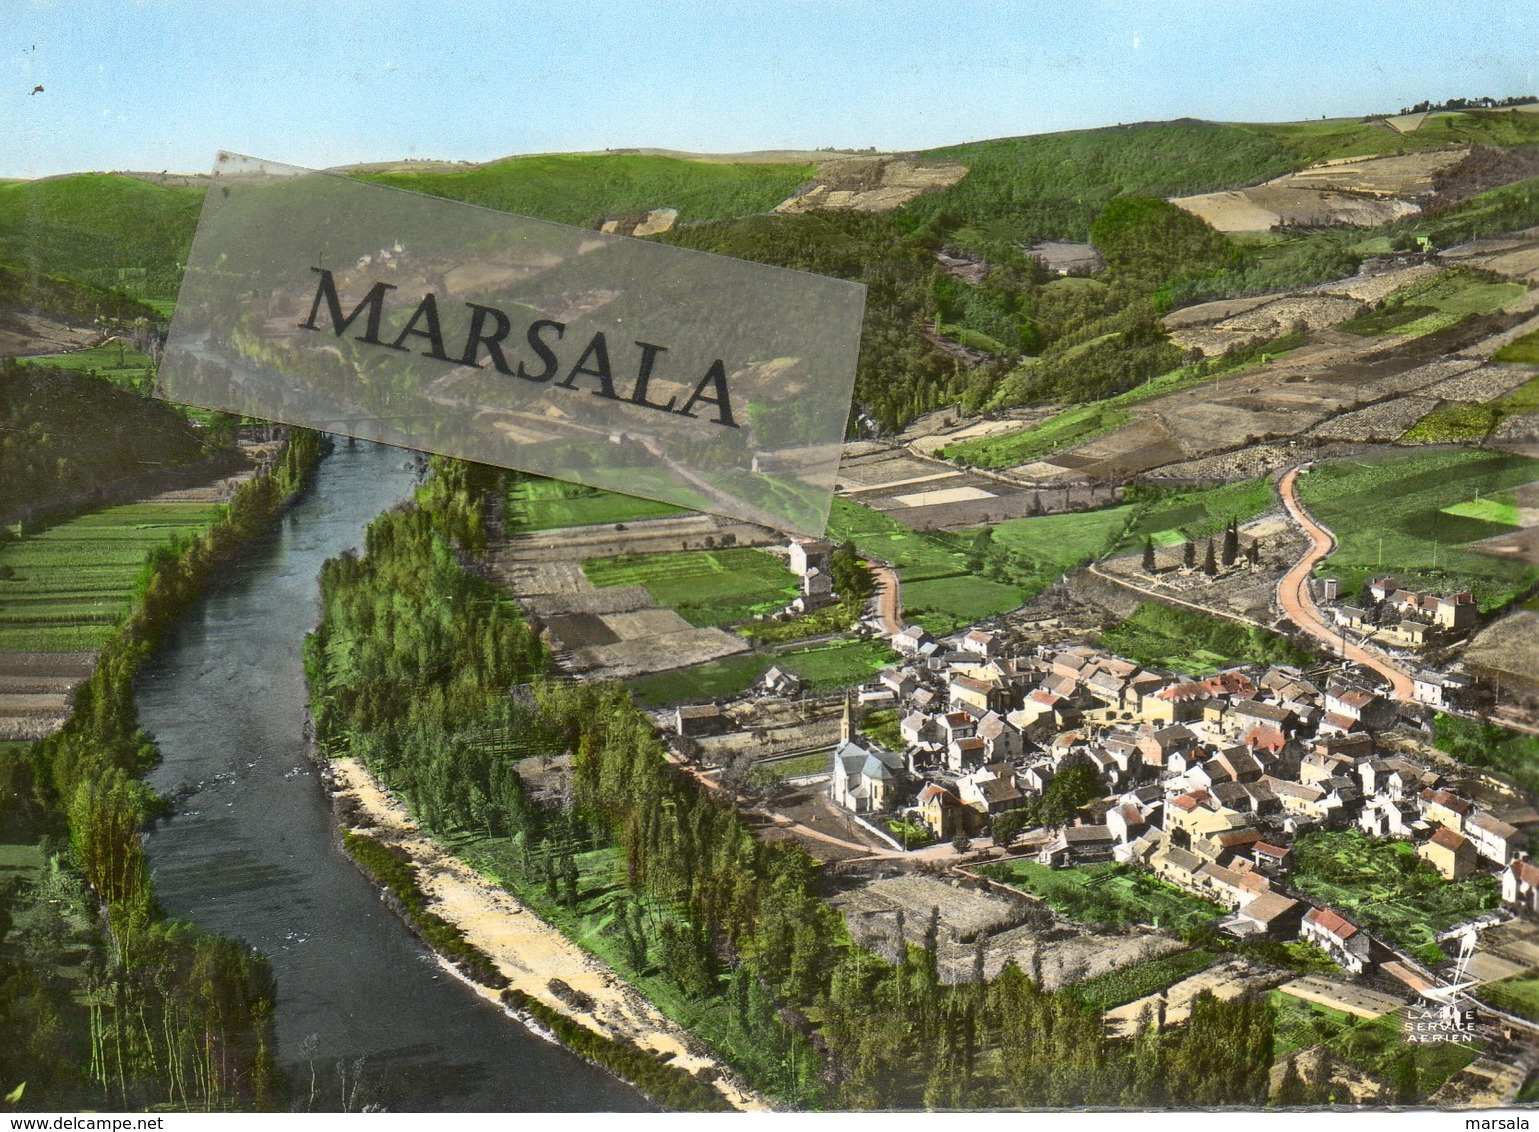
581	188
1053	186
1355	137
111	231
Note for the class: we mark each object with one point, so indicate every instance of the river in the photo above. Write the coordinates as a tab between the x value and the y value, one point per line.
365	1016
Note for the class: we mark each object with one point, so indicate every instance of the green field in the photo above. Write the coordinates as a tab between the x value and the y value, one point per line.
1139	980
1384	887
1390	514
1108	895
1192	643
1481	744
943	605
1516	995
1460	422
1300	1024
537	504
916	555
715	679
1354	137
706	587
1494	509
1521	351
118	363
1434	304
581	188
66	588
1078	425
1171	517
838	665
825	668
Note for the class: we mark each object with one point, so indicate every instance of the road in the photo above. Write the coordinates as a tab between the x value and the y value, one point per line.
1298	603
889	597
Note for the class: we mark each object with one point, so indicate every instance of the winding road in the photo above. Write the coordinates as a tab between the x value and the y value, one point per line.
1295	600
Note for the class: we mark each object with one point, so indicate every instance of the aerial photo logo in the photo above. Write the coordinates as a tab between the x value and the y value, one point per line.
508	646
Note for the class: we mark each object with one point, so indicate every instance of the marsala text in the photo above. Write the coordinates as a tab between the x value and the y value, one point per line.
490	326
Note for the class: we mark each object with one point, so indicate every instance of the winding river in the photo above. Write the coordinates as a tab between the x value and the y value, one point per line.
365	1016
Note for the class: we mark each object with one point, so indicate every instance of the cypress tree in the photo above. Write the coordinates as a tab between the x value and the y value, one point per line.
1231	549
1209	566
1148	556
1189	554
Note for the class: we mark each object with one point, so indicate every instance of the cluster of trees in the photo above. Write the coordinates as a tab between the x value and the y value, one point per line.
46	418
160	1013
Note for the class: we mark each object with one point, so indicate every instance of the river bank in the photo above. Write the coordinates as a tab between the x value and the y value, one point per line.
526	950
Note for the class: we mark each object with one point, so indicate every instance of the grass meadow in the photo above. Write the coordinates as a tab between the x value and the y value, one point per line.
1390	514
705	587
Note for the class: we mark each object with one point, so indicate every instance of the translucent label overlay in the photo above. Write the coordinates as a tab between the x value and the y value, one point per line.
318	300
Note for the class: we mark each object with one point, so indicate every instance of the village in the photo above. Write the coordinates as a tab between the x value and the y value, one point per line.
1058	753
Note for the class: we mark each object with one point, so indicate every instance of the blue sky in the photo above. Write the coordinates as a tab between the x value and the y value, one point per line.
164	85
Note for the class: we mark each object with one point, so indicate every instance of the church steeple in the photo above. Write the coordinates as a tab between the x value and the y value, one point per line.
847	724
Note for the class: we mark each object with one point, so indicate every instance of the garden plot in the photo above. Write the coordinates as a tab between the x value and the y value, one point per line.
1516	256
36	690
619	630
1267	320
1004	929
1228	979
1386	421
1481	384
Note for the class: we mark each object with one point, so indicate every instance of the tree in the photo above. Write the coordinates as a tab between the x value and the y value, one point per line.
1189	554
1231	549
961	842
1148	556
1209	564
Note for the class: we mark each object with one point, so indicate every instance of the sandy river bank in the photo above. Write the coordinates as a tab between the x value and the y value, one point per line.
527	950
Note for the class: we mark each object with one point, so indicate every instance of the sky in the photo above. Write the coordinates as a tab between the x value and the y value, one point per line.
162	85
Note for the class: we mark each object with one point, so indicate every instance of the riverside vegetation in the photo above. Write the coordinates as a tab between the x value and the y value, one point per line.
105	1003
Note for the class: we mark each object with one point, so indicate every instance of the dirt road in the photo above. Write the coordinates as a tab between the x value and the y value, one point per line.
1296	602
889	597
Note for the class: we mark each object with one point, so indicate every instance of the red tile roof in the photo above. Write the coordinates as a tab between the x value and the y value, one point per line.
1331	922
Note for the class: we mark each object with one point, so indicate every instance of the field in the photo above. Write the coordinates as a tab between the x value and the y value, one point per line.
1070	427
839	665
943	605
1109	895
715	679
1390	514
1459	422
842	664
64	589
1495	748
1517	995
1192	643
117	362
917	556
705	587
1048	546
581	188
1524	351
1127	984
1384	887
1353	137
1172	517
1433	304
536	504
